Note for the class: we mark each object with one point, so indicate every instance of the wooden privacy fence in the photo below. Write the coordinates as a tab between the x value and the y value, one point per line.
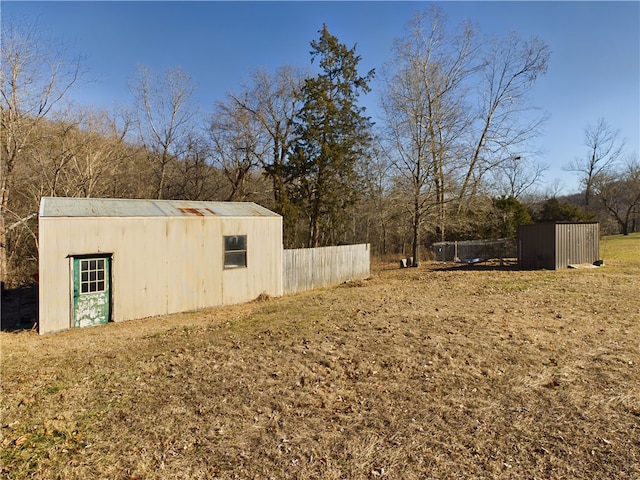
308	268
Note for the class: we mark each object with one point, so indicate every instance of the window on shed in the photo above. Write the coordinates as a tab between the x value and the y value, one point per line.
235	251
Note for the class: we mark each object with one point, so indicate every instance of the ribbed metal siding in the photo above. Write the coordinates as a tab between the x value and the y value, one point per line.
161	263
557	245
576	243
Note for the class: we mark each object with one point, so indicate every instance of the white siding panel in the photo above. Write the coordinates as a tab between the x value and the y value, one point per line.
160	265
54	270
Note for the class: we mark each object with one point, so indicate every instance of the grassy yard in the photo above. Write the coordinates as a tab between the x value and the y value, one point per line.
444	371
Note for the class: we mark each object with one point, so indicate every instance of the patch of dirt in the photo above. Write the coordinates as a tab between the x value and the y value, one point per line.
442	371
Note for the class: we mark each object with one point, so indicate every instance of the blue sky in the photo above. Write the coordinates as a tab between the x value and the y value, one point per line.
594	69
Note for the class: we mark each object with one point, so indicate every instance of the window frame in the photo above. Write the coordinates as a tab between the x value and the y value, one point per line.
92	275
234	252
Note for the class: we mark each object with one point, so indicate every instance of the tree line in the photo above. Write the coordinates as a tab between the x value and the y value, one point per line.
454	156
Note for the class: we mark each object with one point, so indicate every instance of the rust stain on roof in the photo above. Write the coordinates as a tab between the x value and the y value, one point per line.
191	211
119	207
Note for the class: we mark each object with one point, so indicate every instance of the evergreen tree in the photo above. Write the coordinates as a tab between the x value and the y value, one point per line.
333	137
509	214
553	210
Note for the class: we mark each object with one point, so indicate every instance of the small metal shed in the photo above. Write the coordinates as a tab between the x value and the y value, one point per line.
107	260
556	245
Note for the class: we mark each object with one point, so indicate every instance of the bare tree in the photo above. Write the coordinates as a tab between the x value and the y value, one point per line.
516	175
444	144
51	159
274	101
553	189
378	205
508	71
619	192
35	79
165	117
270	101
195	176
97	158
237	144
604	148
425	113
79	156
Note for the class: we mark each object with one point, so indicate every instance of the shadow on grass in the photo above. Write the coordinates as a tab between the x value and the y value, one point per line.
484	265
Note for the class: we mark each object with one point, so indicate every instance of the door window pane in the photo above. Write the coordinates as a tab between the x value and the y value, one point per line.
92	276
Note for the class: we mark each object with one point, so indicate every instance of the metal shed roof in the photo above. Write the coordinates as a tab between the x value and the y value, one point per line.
120	207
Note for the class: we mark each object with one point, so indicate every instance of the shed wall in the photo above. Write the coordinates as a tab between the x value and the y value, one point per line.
536	246
160	265
557	245
577	243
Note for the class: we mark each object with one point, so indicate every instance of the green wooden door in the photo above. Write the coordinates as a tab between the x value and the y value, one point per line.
91	290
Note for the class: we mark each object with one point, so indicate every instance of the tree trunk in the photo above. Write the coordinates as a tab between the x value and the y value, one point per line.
314	231
4	267
416	234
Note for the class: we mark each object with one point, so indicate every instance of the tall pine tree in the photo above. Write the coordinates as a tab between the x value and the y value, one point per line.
333	138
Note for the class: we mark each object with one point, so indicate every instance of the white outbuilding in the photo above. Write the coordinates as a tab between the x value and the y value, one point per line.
105	260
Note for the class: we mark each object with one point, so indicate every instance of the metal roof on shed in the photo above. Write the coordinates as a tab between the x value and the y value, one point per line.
120	207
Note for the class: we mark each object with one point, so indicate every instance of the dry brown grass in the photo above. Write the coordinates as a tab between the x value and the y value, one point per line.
437	372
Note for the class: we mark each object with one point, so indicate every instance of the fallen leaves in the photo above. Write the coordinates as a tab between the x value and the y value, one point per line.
400	378
20	441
